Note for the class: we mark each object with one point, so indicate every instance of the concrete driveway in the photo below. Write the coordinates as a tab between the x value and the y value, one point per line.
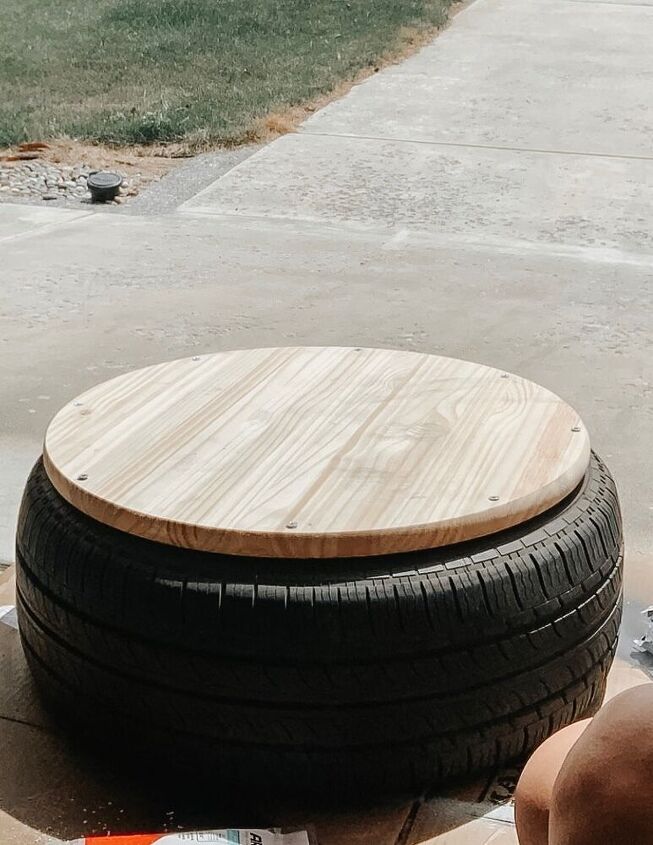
490	198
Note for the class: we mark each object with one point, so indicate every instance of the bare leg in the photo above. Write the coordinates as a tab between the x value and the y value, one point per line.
534	792
603	792
590	783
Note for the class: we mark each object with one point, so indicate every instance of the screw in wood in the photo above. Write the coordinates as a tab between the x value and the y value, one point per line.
77	404
575	428
505	375
493	498
82	477
291	525
196	357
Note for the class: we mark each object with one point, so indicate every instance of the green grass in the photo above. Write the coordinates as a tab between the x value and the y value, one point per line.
139	71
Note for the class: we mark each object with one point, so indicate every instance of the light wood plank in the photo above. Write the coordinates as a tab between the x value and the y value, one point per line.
315	452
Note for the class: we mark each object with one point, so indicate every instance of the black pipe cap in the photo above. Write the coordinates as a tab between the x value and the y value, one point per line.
103	185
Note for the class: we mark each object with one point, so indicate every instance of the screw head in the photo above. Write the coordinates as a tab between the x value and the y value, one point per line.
493	498
292	524
505	375
196	357
77	404
575	428
82	476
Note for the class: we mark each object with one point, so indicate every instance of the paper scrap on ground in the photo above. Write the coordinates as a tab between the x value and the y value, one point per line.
208	837
8	615
645	643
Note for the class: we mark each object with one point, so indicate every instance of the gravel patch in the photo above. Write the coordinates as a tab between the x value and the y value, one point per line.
65	185
55	183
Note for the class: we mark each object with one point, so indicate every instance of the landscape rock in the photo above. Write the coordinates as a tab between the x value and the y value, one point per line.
45	181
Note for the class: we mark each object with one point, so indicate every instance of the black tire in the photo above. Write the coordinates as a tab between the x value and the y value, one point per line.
360	675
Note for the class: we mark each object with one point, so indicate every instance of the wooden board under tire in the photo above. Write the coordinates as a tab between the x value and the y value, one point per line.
315	452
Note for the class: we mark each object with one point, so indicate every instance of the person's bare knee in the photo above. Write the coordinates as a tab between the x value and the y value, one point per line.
532	803
535	788
602	791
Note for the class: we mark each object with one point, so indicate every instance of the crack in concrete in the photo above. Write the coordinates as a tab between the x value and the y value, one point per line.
473	146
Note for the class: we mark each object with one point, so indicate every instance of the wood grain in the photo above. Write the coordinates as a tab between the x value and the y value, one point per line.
315	452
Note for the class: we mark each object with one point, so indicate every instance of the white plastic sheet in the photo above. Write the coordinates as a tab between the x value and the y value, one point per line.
8	615
645	642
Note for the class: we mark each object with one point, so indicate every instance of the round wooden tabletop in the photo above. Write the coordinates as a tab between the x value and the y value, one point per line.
315	452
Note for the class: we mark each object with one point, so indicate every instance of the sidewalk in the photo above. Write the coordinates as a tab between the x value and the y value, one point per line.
490	198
